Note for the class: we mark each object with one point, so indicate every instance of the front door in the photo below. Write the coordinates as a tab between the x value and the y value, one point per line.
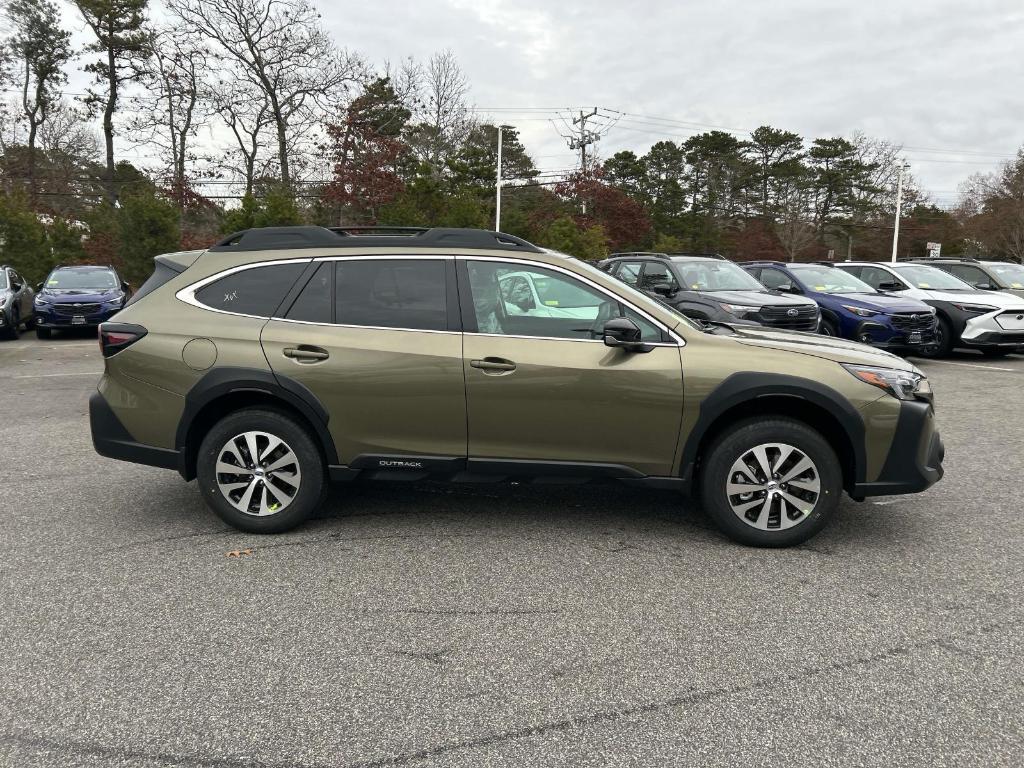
541	386
377	343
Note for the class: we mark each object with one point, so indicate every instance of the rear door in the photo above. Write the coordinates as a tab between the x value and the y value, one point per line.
542	388
377	340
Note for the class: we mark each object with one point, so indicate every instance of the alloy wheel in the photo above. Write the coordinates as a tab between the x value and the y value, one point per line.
258	473
773	486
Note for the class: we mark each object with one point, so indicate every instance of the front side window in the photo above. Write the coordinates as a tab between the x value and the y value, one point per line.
931	278
1011	274
258	290
876	277
629	272
776	280
516	301
971	275
391	293
658	274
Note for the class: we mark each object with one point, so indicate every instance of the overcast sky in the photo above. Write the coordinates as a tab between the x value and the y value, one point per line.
930	74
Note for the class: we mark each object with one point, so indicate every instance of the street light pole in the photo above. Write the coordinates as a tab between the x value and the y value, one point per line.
899	210
497	182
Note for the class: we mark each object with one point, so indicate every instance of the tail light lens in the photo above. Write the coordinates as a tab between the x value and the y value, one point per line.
117	336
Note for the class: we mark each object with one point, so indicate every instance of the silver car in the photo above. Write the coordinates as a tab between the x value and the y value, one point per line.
16	305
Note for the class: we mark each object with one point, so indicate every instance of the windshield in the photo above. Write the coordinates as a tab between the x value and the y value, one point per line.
931	278
3	280
631	292
830	280
715	276
82	279
1011	274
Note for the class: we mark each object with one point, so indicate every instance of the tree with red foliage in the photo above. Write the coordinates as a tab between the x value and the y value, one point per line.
623	219
369	154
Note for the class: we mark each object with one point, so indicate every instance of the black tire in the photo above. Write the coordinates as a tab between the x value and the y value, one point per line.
312	480
740	438
43	333
30	324
943	344
828	328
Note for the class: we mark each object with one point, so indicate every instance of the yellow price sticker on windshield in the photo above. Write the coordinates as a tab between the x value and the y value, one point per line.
696	286
924	285
551	303
52	282
1017	285
819	287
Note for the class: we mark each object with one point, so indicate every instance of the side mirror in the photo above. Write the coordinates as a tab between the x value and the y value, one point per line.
986	287
890	287
17	286
39	287
623	332
789	289
125	286
663	289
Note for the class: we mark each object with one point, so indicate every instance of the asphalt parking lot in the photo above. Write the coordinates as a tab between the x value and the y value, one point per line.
425	625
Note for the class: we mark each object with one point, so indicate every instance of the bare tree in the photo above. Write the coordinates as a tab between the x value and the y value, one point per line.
169	112
794	225
120	42
282	50
37	53
437	95
246	112
992	210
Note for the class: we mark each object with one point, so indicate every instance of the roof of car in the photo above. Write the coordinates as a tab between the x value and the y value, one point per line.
84	267
301	237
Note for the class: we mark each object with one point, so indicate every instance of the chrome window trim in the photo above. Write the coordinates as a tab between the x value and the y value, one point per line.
187	294
362	327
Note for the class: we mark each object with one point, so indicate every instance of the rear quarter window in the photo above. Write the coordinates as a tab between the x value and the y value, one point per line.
257	290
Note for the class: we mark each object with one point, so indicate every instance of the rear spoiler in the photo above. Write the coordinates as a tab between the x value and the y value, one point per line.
177	262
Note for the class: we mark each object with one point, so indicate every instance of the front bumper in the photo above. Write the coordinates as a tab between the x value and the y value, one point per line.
1004	329
884	336
49	317
914	462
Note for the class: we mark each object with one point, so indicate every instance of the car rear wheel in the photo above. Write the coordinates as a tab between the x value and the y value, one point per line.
260	471
771	483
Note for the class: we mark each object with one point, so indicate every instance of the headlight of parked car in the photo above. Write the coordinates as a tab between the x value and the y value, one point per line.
117	300
903	385
975	309
740	310
41	302
860	311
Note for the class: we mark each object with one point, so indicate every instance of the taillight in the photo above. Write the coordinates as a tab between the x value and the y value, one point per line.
117	336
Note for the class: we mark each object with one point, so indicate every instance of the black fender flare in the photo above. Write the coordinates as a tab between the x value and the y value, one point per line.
225	381
747	386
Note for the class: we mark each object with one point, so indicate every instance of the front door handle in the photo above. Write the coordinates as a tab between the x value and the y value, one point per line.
306	354
493	364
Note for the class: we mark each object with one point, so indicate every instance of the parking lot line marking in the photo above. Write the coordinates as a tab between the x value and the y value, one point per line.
973	365
49	375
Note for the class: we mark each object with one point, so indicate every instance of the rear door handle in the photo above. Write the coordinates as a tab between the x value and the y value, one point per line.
306	354
493	364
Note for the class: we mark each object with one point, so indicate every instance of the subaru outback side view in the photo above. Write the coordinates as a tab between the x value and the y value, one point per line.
708	287
852	309
282	358
78	297
990	321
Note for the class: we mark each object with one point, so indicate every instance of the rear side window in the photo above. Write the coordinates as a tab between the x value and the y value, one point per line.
316	302
254	291
400	293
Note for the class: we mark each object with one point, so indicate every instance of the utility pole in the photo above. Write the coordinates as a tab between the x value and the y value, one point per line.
899	209
585	137
497	185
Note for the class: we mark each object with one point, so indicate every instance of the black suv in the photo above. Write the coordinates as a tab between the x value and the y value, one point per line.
709	287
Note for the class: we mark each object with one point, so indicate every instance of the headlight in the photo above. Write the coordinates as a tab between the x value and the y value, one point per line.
41	302
114	299
740	310
860	311
976	309
3	301
903	385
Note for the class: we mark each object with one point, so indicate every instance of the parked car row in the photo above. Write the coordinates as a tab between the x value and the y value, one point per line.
922	308
70	297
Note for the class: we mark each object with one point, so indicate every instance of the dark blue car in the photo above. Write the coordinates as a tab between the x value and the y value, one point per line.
78	297
852	309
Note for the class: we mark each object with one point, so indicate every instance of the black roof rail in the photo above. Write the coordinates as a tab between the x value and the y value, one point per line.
696	255
288	238
764	261
822	262
648	254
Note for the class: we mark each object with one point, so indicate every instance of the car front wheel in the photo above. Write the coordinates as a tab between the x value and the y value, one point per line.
771	482
260	471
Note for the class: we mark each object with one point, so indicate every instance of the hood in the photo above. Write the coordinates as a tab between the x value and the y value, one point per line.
78	295
758	298
999	299
827	347
882	302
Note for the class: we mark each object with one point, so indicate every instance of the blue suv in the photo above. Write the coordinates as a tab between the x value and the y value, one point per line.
78	297
850	308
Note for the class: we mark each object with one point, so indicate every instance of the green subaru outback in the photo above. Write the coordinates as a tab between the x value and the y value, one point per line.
284	358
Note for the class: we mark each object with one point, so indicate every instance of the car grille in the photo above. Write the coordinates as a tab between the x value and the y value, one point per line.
805	317
913	321
76	309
